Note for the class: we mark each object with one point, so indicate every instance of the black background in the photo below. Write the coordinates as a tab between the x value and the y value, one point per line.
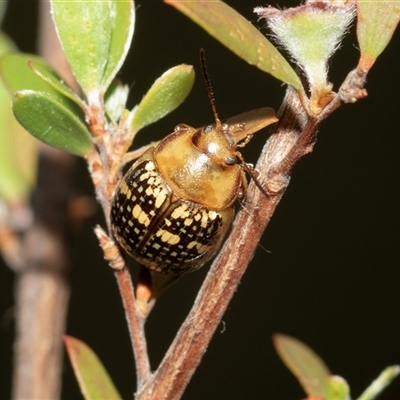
330	276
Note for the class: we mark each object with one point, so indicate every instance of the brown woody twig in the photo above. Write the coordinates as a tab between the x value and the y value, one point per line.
292	137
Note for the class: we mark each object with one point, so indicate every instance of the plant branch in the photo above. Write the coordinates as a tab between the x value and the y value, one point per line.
41	290
105	183
133	316
186	351
292	138
135	324
105	165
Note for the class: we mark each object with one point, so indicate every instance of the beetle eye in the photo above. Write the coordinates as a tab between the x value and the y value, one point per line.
231	161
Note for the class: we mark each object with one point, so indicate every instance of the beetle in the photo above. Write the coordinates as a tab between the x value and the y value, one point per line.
174	206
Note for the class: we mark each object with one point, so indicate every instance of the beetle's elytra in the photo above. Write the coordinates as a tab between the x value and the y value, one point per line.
175	205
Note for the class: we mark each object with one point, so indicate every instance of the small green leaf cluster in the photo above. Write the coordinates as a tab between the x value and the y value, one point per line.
310	33
96	37
315	377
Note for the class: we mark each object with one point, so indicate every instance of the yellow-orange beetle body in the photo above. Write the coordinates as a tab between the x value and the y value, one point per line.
174	206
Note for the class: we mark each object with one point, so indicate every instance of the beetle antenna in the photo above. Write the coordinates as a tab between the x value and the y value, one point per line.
209	87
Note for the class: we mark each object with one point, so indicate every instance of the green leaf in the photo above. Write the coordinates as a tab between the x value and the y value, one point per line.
384	379
376	23
47	74
305	365
17	75
166	94
6	44
18	154
18	149
297	29
95	36
26	71
336	388
239	35
93	379
123	19
46	87
51	122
